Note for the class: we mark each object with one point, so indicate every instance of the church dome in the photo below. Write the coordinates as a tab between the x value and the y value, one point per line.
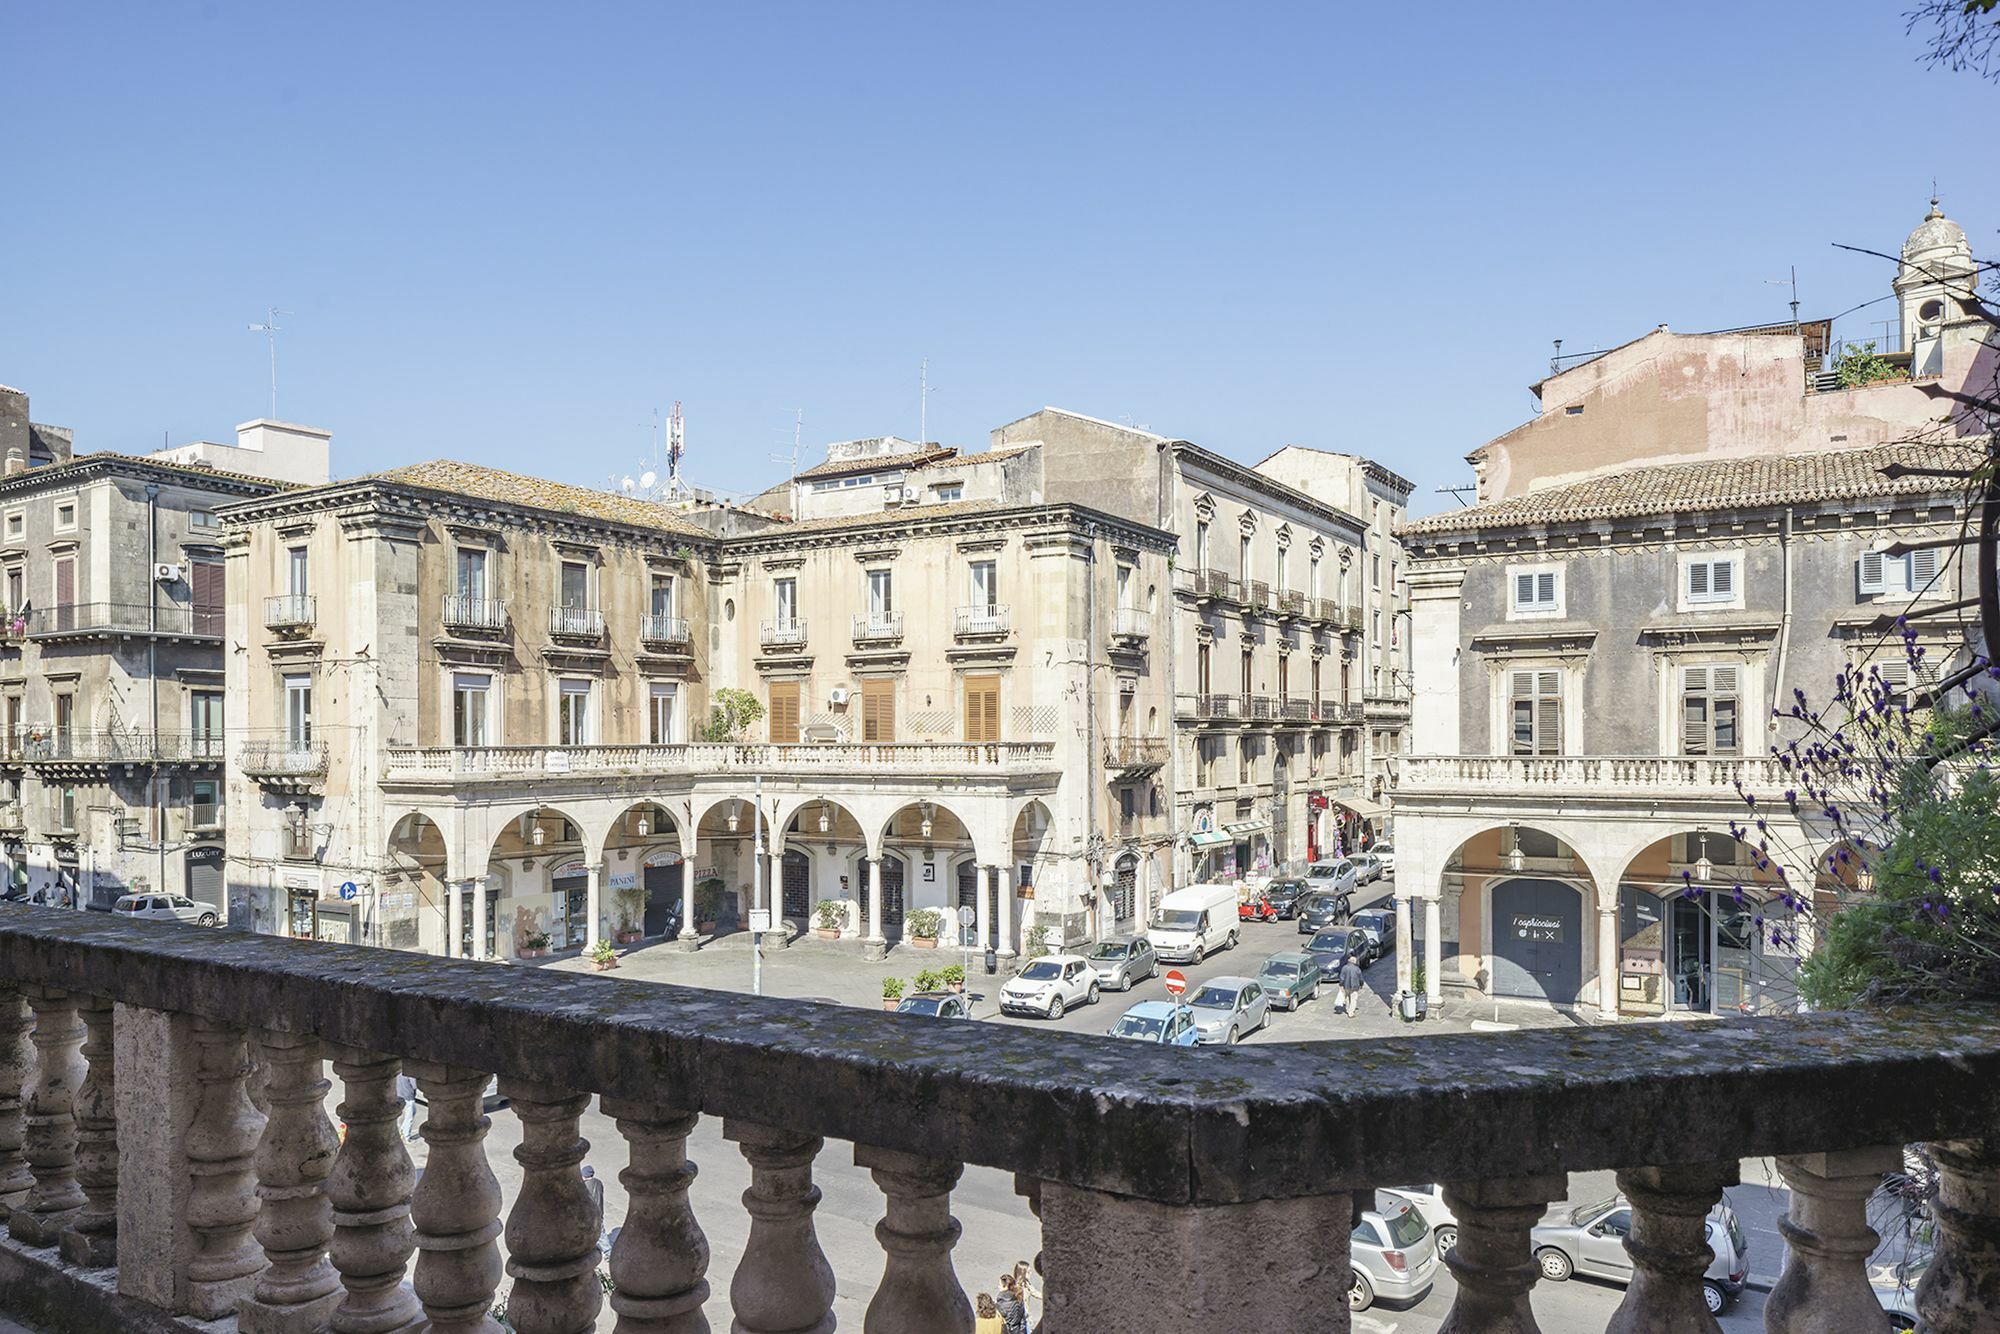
1936	232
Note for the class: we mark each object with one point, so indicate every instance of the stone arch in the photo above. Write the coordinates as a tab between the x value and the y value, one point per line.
529	844
1702	928
645	868
1548	944
820	841
929	835
410	900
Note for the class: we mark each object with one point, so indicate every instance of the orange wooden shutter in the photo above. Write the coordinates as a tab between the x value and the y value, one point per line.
878	710
785	712
982	708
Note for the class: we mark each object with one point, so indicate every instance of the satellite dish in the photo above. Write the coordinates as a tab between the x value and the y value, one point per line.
646	480
625	485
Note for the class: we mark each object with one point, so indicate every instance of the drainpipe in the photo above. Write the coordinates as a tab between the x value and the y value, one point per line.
153	684
1091	752
1784	622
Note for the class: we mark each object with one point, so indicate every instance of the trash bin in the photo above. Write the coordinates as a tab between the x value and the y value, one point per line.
992	961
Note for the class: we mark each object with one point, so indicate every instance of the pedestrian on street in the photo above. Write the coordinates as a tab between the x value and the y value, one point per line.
1350	986
406	1089
1013	1315
1031	1294
988	1316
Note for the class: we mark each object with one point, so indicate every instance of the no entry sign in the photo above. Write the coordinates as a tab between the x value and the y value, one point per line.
1176	982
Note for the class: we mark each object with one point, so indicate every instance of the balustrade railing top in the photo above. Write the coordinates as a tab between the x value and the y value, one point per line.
720	757
1595	772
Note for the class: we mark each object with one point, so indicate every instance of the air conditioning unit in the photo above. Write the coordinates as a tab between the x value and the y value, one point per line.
166	572
838	697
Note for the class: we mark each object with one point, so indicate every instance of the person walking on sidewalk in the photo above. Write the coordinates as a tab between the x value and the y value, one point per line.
406	1089
1013	1314
1350	986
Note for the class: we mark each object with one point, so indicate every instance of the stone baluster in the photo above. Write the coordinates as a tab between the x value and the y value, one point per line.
783	1285
456	1207
220	1147
369	1189
659	1266
919	1292
298	1290
91	1240
552	1230
1825	1282
1493	1262
50	1104
1669	1251
1960	1292
17	1064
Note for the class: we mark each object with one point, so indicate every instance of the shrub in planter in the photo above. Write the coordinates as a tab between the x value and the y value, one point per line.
892	992
829	916
707	904
631	909
924	925
953	976
602	956
1038	940
929	980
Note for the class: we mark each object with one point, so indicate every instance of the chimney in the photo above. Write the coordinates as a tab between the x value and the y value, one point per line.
14	431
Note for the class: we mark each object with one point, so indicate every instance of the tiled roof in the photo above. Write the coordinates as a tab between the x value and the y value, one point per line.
106	458
952	458
508	488
1713	484
915	458
881	518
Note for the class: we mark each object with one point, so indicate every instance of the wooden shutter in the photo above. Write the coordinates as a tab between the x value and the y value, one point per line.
1524	590
1869	575
785	713
1694	711
1727	714
878	710
982	708
65	582
1697	578
206	578
1548	711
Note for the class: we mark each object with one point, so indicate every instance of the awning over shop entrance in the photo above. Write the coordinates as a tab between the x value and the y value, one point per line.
1363	807
1208	838
1247	828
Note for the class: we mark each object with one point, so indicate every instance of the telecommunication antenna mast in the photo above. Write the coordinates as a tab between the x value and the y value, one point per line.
269	328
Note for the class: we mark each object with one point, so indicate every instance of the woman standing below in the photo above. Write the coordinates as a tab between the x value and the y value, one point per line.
1029	1293
1013	1315
988	1321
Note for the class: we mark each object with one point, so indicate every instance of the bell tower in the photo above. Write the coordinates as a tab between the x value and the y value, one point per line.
1936	277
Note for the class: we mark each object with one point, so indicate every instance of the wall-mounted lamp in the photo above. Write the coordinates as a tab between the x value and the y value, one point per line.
1516	859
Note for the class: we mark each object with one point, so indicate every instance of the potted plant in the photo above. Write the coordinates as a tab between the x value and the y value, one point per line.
929	980
707	905
953	976
535	946
602	956
829	915
631	903
1038	940
892	992
924	924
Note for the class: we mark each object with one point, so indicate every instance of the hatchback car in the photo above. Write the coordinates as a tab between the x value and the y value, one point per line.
1590	1240
1049	985
1160	1022
1333	876
1385	856
1331	950
1393	1253
167	908
1228	1009
1367	867
937	1004
1380	924
1317	911
1285	895
1120	963
1429	1200
1290	979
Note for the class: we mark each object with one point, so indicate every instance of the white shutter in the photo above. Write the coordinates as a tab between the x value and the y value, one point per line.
1697	578
1895	675
1545	589
1923	568
1723	577
1524	590
1869	576
1725	680
1694	680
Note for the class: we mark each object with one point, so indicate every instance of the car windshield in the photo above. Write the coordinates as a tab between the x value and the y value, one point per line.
1329	942
1374	921
1578	1217
1285	887
1215	998
1407	1228
1735	1230
921	1005
1041	972
1275	968
1177	919
1138	1026
1110	951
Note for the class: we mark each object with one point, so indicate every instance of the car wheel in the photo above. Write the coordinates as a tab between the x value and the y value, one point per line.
1232	940
1447	1238
1091	999
1361	1296
1056	1008
206	919
1233	1038
1713	1297
1554	1264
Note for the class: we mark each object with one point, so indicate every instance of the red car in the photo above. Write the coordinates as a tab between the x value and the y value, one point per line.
1256	908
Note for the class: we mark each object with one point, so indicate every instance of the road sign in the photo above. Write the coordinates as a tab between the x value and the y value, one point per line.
965	914
349	890
1176	981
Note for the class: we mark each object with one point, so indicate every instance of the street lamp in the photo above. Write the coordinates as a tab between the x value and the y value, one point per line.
645	825
1516	859
925	827
735	815
1703	867
825	817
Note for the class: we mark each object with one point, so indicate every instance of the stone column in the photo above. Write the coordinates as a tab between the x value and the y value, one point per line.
983	909
783	1284
553	1227
874	945
298	1290
1825	1282
91	1241
454	917
689	938
919	1292
1004	876
593	903
477	889
17	1063
155	1052
1668	1249
778	937
1961	1290
1607	962
1491	1260
1405	973
370	1191
50	1102
455	1209
1105	1257
659	1266
221	1147
1433	950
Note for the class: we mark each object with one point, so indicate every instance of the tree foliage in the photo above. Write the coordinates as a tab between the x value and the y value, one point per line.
731	712
1860	363
1960	35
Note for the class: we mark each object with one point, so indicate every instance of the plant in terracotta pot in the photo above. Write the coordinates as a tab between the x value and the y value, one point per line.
535	946
924	925
631	906
953	976
707	905
602	956
929	980
829	915
892	992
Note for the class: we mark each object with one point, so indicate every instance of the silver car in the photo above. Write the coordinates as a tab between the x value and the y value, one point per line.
1429	1200
1591	1241
1121	963
1337	876
1228	1009
167	908
1367	867
1393	1253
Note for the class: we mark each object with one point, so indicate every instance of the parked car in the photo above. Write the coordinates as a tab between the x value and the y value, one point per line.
1367	867
1228	1009
938	1004
1590	1240
1162	1022
1334	876
1430	1203
167	908
1380	924
1120	963
1285	895
1049	985
1385	857
1319	910
1330	948
1255	906
1290	979
1895	1287
1393	1253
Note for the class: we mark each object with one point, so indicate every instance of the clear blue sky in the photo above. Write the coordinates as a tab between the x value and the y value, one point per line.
508	233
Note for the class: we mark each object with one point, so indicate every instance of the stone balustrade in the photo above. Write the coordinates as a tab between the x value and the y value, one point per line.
458	763
187	1156
1600	774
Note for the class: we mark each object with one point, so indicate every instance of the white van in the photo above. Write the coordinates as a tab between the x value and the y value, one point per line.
1190	922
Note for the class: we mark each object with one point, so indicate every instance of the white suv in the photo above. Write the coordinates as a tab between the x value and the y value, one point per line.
167	908
1049	985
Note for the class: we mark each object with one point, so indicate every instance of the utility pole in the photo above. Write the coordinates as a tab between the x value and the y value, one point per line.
757	892
269	328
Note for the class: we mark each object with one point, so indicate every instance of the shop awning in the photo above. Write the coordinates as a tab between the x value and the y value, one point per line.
1363	807
1208	838
1247	828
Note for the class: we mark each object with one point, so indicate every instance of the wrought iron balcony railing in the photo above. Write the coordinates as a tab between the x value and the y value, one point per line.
667	632
478	615
290	611
878	627
576	623
783	633
981	621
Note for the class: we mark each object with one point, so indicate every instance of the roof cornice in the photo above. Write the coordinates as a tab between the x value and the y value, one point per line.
88	466
1249	478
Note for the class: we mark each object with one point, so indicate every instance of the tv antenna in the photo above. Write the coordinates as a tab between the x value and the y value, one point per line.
798	428
1457	492
676	447
923	401
269	328
1794	283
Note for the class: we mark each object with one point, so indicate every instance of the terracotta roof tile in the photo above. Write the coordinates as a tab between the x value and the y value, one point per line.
953	458
881	518
507	488
916	458
1712	484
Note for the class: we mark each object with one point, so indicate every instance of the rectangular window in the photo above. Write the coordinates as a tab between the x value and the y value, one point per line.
1284	676
881	595
298	580
1284	569
1243	557
661	597
66	517
1535	590
17	526
785	713
949	493
65	581
1910	573
298	692
1710	710
1312	578
65	811
1201	677
985	586
1346	676
1375	572
982	708
205	724
660	708
1246	671
1709	580
1536	713
575	590
202	520
470	692
1201	544
573	713
878	709
1126	586
65	720
204	803
471	573
1315	683
17	590
207	597
785	601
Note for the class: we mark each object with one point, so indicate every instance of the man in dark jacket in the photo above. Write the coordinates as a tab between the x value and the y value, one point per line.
1350	986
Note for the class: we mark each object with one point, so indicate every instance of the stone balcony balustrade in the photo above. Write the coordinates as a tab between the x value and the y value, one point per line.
451	764
1135	1159
1599	774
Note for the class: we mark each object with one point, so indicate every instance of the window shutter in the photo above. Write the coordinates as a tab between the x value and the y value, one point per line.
1869	574
1548	725
1694	680
1524	685
1895	675
1697	578
982	708
1923	568
1725	681
1545	590
1722	578
878	710
1694	724
785	713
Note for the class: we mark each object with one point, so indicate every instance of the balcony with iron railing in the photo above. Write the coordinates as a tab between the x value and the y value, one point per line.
1256	708
981	621
1206	708
1204	584
576	623
878	627
1256	595
664	633
1131	754
477	615
1295	711
258	1211
782	633
1131	623
1291	603
91	620
37	744
13	819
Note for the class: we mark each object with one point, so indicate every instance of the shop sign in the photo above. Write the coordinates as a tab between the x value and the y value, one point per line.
664	857
569	869
1546	929
618	880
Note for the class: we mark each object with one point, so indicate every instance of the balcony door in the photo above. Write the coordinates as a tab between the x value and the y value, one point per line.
785	602
662	602
470	694
206	587
205	725
573	714
878	710
471	574
785	713
982	708
661	705
65	607
298	691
